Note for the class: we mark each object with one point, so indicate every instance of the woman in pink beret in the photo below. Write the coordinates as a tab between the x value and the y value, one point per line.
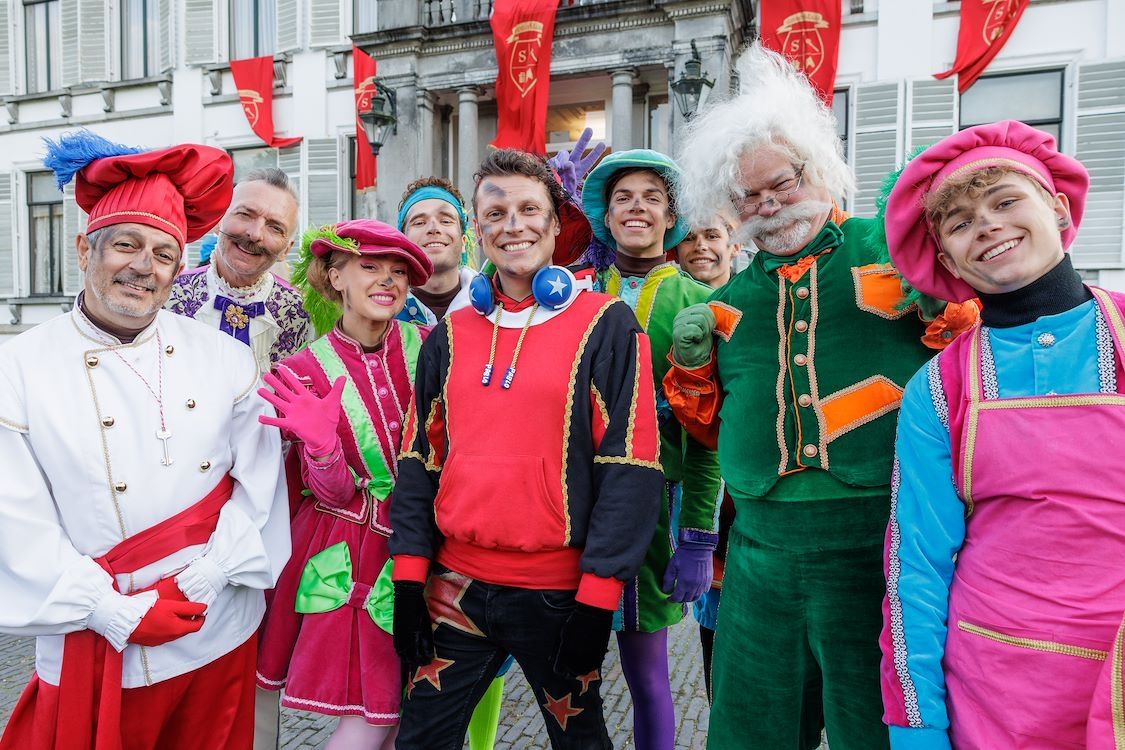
1005	588
342	401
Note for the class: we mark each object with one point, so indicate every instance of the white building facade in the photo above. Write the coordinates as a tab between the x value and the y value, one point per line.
152	73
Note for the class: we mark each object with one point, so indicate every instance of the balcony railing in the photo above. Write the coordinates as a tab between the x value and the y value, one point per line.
444	12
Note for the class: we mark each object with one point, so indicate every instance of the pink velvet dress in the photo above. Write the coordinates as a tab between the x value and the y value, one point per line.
339	662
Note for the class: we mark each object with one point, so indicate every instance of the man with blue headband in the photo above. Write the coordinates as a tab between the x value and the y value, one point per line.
432	214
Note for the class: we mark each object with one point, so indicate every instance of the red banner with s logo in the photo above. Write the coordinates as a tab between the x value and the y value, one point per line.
986	26
523	31
807	33
363	73
253	78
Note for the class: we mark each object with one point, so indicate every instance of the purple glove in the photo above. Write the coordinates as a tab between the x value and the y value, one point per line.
572	167
689	572
311	418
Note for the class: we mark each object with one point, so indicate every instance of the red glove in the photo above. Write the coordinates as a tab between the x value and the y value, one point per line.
311	418
167	588
168	620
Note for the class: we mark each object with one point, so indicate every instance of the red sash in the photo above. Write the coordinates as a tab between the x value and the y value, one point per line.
89	710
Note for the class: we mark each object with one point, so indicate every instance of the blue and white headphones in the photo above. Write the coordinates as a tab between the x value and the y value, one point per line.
553	287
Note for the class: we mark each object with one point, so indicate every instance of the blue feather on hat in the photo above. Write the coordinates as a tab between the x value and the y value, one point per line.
73	151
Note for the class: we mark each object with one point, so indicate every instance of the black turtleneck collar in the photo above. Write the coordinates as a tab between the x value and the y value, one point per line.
629	265
1056	291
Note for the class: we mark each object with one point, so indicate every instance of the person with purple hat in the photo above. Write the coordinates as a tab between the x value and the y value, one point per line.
342	402
1003	615
144	509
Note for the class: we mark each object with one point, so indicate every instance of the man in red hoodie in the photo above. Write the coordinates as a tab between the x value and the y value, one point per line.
528	484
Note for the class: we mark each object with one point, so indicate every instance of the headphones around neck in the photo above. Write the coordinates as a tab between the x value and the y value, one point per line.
553	287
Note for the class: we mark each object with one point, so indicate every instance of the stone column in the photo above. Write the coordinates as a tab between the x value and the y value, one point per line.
425	101
467	158
621	135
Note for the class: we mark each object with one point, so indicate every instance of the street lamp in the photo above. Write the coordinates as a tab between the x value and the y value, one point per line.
382	119
689	87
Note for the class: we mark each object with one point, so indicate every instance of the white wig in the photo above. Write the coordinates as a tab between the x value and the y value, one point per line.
775	108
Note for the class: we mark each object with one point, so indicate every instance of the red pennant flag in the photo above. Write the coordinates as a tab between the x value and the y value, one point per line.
363	73
254	80
985	28
523	31
807	32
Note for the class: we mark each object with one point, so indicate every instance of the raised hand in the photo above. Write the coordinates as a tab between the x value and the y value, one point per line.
572	166
301	412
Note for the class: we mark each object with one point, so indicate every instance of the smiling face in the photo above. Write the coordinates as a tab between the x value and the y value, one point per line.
373	291
638	214
781	210
129	273
707	251
435	226
1004	238
255	233
517	226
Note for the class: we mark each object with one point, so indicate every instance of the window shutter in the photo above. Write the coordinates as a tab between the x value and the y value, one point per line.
74	222
71	45
167	39
289	162
323	188
94	40
877	141
199	31
7	241
5	49
287	26
932	111
1101	148
324	23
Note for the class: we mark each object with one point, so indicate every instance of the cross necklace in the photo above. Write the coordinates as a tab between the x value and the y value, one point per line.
163	434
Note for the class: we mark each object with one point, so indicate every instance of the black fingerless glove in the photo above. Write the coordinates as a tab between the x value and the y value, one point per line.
413	632
583	640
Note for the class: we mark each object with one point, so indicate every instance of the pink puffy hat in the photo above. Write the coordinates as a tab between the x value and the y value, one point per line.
910	236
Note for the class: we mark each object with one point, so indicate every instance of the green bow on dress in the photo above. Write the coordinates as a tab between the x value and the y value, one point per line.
327	584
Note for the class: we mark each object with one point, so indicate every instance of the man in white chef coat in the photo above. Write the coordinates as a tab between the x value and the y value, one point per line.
143	509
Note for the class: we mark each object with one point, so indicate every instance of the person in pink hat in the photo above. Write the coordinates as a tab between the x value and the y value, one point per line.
1003	614
342	402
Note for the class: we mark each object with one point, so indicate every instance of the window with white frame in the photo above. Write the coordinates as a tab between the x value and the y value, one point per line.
45	229
1034	97
42	30
140	38
253	28
246	160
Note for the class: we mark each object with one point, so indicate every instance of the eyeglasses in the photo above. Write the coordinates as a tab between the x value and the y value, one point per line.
780	194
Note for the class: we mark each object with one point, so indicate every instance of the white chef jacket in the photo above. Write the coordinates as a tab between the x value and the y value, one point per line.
82	469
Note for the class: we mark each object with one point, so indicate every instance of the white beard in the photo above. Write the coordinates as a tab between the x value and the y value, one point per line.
784	232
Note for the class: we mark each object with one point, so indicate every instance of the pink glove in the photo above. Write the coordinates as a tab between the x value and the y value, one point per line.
312	419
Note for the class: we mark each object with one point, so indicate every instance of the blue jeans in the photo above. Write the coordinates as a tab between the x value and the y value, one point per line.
477	626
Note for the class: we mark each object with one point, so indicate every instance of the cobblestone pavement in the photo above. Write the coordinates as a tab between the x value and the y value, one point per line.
521	724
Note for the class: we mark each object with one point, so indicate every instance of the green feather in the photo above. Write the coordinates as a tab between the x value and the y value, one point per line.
877	238
324	313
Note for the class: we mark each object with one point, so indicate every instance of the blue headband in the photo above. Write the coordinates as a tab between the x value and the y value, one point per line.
426	193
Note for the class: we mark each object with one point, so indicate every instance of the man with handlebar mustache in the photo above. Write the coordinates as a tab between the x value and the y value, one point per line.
237	292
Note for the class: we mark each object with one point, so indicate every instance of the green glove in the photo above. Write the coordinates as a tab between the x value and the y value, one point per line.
692	336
